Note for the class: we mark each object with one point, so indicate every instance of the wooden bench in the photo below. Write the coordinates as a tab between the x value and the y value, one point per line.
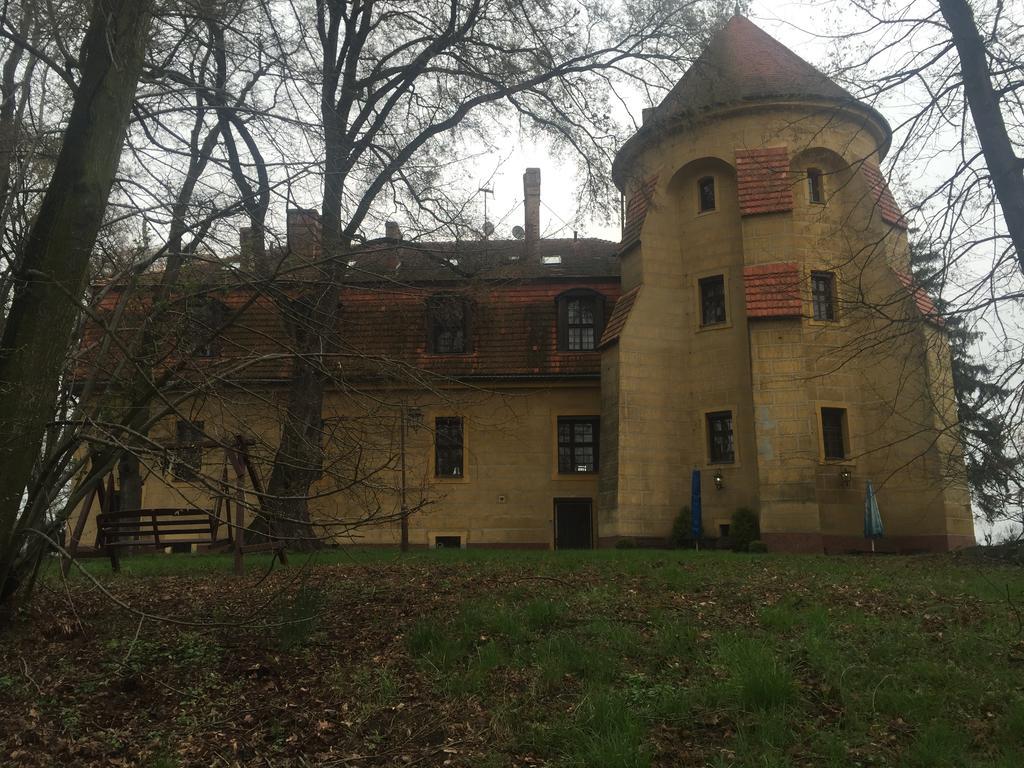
153	528
164	527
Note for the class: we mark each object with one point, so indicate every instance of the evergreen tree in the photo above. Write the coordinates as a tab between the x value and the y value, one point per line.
994	468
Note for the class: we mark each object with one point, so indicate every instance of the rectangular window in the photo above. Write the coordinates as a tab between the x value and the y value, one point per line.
448	446
581	324
187	454
578	444
706	193
712	300
720	445
580	320
448	320
833	432
823	295
815	188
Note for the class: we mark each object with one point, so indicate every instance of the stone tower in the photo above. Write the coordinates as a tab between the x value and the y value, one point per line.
769	333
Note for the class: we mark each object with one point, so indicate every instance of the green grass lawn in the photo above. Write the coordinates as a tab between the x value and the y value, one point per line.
610	658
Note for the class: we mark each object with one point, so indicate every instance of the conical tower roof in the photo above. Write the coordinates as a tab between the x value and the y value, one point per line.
743	64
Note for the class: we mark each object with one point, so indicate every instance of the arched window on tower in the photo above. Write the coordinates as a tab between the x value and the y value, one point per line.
815	186
706	194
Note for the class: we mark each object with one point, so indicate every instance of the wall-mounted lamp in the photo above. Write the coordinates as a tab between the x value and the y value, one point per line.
844	477
718	479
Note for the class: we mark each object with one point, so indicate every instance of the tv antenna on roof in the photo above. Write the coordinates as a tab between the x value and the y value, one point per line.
488	227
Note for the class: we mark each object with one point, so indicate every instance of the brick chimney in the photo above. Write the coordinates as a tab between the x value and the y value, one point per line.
392	231
252	249
304	234
531	204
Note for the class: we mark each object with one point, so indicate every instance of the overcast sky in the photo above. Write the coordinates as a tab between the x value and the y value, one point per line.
798	25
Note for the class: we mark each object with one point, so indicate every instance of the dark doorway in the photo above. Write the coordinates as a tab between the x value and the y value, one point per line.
573	524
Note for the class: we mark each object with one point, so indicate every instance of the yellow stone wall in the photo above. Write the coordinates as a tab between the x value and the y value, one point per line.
505	498
880	360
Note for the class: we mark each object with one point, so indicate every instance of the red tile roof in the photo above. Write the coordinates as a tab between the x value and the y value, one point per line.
887	208
383	332
762	178
924	303
619	317
636	209
773	290
741	64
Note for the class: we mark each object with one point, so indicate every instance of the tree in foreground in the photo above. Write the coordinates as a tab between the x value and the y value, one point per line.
52	272
953	66
401	90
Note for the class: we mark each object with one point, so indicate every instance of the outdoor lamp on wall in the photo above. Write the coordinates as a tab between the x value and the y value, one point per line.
844	477
718	479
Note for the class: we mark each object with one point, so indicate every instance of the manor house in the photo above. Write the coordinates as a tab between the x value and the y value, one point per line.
757	322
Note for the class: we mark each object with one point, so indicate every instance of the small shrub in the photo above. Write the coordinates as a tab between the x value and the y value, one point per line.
626	543
757	546
680	536
744	529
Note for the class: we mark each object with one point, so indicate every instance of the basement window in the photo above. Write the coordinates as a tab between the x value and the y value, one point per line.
552	260
447	542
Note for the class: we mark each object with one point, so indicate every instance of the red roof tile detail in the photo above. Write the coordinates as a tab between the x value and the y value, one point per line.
773	290
744	63
619	317
882	197
636	209
382	332
762	178
924	303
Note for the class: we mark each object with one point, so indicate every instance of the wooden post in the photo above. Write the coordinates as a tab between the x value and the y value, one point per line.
76	535
405	508
238	464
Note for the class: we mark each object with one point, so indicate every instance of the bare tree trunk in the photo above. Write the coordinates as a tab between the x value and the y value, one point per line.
298	462
1006	169
53	274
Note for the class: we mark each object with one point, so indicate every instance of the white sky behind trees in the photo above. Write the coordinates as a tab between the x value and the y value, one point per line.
798	25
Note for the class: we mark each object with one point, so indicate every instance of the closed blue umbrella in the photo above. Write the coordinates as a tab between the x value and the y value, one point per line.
696	528
872	518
